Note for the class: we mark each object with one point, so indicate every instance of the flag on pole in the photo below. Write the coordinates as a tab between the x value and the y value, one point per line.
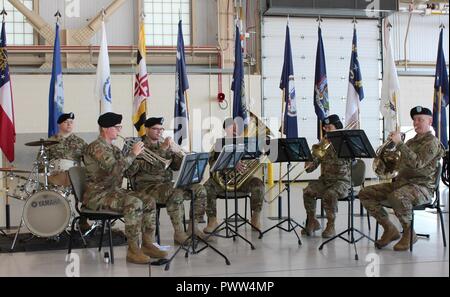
240	109
141	86
56	94
181	112
103	85
7	126
321	101
390	91
355	92
288	85
441	95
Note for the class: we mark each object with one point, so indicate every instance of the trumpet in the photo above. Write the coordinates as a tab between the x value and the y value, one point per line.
148	155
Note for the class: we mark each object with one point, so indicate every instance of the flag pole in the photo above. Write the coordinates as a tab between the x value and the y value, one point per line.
186	98
439	113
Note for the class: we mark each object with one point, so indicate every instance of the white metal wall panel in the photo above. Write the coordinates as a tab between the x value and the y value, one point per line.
423	37
337	37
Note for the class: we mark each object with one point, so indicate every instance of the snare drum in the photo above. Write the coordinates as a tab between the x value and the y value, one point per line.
58	172
46	213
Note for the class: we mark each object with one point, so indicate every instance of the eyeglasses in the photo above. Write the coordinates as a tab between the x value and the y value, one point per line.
158	129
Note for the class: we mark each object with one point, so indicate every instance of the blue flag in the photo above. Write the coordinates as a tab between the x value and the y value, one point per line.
238	86
441	94
321	103
181	112
355	92
288	85
56	95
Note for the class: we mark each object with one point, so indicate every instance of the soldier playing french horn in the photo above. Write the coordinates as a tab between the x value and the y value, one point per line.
333	183
414	184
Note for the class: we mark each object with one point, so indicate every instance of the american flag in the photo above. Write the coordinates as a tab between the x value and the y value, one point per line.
7	129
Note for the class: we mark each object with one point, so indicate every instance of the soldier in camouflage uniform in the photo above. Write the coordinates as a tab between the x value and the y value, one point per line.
105	168
254	185
333	183
67	152
155	180
414	184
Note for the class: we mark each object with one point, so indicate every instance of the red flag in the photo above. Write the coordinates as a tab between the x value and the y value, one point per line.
7	129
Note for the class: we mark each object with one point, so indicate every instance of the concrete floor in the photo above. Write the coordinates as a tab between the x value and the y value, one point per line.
277	254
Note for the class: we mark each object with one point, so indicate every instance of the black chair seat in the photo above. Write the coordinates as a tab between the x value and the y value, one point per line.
100	214
239	195
386	204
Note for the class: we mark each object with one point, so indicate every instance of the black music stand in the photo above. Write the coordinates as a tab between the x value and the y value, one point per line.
227	160
191	173
350	144
289	150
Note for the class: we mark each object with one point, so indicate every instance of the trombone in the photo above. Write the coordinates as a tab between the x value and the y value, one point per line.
148	155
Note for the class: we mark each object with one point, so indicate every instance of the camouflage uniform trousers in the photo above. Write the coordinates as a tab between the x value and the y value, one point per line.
173	200
401	198
255	186
138	210
329	191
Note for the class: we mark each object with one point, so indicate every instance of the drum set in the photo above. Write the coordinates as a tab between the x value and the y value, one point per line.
47	211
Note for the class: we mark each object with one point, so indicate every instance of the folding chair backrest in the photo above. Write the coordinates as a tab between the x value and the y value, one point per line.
77	176
358	173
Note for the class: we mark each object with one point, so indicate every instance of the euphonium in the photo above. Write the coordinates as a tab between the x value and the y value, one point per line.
147	155
387	162
256	128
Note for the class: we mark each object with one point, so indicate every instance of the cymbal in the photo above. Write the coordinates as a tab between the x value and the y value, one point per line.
42	142
12	169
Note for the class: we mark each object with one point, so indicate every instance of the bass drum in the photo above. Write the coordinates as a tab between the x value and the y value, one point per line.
46	213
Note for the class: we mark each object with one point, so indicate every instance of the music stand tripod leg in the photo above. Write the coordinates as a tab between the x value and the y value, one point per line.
292	224
190	242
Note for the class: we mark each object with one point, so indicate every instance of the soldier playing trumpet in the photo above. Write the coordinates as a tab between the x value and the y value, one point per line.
105	168
155	180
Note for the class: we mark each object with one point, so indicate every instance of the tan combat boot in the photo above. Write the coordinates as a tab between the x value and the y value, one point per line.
179	236
212	225
136	255
256	220
403	244
149	248
390	233
312	224
329	231
197	231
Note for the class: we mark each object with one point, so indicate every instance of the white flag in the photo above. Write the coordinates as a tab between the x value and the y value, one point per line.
103	85
391	86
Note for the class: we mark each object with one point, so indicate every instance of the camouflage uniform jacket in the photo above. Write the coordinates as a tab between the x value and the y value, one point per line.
332	168
70	148
155	173
105	168
419	160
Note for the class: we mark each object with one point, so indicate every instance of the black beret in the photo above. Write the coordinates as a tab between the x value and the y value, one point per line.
420	110
333	120
154	121
65	116
228	122
109	119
